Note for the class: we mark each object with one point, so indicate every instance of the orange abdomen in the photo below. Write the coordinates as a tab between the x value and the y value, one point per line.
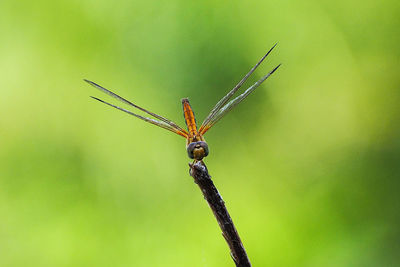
189	118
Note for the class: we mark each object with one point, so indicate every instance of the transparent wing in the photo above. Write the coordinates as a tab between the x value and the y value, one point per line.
233	103
152	121
161	118
226	98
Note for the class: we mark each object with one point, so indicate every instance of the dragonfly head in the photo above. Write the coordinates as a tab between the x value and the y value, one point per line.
197	150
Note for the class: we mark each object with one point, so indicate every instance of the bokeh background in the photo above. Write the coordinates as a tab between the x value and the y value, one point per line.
309	165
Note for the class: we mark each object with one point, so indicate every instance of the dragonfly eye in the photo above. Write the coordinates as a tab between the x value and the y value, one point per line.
204	146
197	150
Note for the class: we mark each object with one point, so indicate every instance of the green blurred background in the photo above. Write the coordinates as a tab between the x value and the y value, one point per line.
309	165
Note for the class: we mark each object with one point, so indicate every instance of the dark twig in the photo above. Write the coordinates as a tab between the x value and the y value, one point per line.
201	177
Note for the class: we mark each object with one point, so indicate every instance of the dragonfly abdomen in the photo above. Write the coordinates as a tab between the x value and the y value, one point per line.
189	118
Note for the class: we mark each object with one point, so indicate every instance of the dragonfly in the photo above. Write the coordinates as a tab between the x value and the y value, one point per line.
196	146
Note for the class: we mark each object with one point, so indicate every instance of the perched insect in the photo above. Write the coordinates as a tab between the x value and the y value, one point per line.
196	146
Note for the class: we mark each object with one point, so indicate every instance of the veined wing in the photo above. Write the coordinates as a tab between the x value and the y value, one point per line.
152	121
161	118
233	103
226	98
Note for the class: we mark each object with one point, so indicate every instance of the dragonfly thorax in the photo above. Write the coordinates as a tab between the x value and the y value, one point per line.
197	150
